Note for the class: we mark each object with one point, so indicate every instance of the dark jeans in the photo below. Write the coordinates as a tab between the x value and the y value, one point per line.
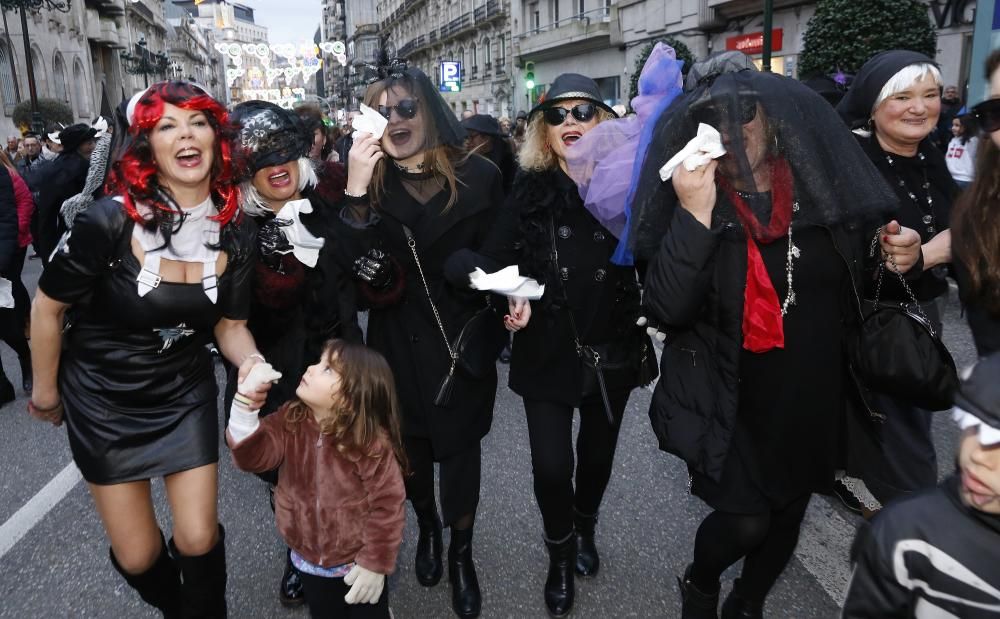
459	483
12	321
550	433
325	597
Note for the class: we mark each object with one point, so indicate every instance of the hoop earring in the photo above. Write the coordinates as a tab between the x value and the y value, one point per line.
776	149
870	125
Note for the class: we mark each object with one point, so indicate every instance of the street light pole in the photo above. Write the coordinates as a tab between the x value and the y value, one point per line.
768	14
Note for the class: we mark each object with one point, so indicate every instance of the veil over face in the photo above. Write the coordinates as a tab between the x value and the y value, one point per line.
436	123
762	118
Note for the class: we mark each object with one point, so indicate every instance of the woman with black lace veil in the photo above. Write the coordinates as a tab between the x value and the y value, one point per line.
756	264
301	296
415	197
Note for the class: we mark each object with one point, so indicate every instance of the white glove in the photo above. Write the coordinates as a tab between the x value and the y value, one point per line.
242	421
257	376
366	586
651	329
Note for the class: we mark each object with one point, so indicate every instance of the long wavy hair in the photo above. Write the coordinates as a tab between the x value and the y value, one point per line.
536	155
365	402
443	159
134	174
975	228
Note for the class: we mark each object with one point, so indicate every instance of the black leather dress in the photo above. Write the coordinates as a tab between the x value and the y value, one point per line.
135	376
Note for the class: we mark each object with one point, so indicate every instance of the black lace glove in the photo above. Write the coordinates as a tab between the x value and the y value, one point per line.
273	244
375	269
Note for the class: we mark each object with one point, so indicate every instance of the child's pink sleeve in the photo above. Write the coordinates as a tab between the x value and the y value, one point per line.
386	495
264	450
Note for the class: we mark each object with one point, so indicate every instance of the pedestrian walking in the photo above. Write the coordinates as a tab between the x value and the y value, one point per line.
893	105
15	207
935	554
420	197
977	229
588	312
150	275
961	154
757	262
339	500
300	295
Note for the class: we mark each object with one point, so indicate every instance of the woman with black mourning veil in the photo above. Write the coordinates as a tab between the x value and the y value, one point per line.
417	181
756	263
300	295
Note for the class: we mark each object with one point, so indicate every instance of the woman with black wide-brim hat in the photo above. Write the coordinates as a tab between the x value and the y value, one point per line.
590	306
484	137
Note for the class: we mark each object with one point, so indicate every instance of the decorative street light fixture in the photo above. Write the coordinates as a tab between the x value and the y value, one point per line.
37	124
144	63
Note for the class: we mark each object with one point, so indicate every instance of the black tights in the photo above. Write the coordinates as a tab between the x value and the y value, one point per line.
767	540
12	329
550	432
459	482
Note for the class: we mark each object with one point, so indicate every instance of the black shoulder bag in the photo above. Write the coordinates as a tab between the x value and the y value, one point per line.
476	346
896	351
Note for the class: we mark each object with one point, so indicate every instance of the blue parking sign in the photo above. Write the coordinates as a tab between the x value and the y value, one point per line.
451	76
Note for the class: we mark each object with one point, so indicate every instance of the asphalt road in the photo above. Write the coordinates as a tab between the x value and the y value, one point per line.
54	558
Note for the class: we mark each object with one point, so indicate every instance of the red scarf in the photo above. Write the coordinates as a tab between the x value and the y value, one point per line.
763	327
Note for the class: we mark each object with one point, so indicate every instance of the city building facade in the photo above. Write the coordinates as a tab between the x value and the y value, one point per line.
363	42
475	33
192	53
333	27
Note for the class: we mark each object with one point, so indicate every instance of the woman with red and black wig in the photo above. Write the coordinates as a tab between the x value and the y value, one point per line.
149	275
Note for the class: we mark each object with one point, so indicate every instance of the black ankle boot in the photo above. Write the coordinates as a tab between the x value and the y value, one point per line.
428	566
291	592
559	587
694	603
466	600
203	586
26	382
159	586
588	562
738	606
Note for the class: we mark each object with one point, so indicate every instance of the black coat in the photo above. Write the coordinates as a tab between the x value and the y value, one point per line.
695	287
603	297
406	332
8	220
59	180
985	326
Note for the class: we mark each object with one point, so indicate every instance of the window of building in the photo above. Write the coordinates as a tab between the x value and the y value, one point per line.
59	79
581	7
487	53
41	81
555	12
80	86
535	16
474	58
501	52
6	78
606	4
610	88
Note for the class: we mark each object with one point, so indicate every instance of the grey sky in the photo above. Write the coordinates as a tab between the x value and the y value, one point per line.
287	21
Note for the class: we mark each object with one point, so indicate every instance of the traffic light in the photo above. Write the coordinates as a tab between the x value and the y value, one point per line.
529	75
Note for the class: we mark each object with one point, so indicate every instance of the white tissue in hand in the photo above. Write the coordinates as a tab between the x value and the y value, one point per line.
507	281
702	148
258	375
369	121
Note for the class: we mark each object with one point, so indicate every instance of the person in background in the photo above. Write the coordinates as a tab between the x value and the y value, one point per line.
31	159
340	500
346	139
951	105
935	554
51	146
486	139
506	126
15	206
11	149
467	114
961	154
520	125
311	117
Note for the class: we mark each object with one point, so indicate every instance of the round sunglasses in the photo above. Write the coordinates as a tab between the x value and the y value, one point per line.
556	116
987	114
405	108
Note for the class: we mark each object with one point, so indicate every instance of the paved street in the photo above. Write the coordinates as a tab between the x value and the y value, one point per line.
60	568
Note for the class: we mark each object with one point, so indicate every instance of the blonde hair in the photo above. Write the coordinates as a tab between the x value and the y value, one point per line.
441	159
255	205
536	155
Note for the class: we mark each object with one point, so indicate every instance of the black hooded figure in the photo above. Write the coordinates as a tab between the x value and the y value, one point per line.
486	139
57	181
894	130
415	197
757	263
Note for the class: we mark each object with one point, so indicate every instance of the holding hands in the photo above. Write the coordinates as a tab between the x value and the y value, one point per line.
366	586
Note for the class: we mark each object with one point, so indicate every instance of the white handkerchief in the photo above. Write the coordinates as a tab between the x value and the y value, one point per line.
369	121
507	281
305	246
702	148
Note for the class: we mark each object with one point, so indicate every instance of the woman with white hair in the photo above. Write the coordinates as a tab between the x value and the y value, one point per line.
300	295
893	106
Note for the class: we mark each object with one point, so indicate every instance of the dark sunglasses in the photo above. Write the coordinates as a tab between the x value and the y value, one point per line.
406	108
711	115
556	116
987	114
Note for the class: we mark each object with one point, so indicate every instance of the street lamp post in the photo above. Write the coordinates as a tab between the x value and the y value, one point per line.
145	62
37	124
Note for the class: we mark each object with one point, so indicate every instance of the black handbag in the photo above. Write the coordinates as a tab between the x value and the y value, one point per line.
477	344
896	351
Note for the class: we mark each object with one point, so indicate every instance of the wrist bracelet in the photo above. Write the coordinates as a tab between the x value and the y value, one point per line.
255	355
355	195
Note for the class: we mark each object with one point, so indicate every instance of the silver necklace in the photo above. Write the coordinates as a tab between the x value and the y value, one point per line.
927	217
791	255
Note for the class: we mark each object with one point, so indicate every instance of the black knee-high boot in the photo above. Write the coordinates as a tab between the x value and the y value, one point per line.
695	603
559	586
588	562
466	599
427	565
203	586
159	586
738	605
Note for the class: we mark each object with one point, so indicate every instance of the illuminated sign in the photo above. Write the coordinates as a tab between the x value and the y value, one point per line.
451	76
754	43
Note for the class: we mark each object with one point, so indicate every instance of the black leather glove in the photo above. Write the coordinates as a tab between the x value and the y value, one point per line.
273	244
375	269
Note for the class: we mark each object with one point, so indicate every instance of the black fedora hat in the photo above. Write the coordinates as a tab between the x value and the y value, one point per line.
482	123
73	136
572	86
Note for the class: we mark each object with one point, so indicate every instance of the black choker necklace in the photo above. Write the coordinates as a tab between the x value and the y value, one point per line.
417	169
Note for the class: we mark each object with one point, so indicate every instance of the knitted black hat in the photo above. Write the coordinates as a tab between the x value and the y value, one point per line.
482	123
856	107
572	86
